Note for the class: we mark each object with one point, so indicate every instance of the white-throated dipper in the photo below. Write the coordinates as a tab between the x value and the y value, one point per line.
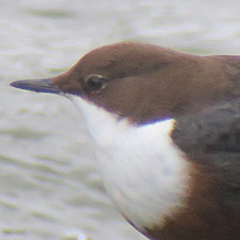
167	132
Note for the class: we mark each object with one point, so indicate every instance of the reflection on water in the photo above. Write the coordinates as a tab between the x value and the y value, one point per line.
49	185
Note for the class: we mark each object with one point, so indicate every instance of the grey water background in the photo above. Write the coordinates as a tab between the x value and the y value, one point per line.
49	184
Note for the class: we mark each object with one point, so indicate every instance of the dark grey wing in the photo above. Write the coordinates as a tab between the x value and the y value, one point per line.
213	130
211	139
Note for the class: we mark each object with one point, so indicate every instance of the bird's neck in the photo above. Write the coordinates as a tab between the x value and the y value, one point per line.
145	174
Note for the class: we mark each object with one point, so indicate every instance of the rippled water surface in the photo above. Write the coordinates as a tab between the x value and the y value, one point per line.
49	185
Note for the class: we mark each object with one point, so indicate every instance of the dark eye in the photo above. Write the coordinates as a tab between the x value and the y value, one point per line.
94	83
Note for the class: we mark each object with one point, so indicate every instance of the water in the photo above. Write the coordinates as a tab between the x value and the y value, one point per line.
49	185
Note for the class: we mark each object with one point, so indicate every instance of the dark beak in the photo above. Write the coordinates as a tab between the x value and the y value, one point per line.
38	85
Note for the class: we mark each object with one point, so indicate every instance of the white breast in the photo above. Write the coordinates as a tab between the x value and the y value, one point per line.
144	173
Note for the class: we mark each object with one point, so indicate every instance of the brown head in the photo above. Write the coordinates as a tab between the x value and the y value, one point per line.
145	82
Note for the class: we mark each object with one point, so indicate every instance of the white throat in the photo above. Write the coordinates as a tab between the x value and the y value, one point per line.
144	173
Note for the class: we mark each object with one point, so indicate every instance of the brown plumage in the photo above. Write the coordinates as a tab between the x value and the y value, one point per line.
145	84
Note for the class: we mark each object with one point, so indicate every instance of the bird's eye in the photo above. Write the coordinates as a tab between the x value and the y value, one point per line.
94	83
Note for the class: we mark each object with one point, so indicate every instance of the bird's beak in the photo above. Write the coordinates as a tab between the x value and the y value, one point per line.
38	85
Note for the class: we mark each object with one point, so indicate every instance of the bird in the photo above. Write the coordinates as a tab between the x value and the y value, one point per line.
166	131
